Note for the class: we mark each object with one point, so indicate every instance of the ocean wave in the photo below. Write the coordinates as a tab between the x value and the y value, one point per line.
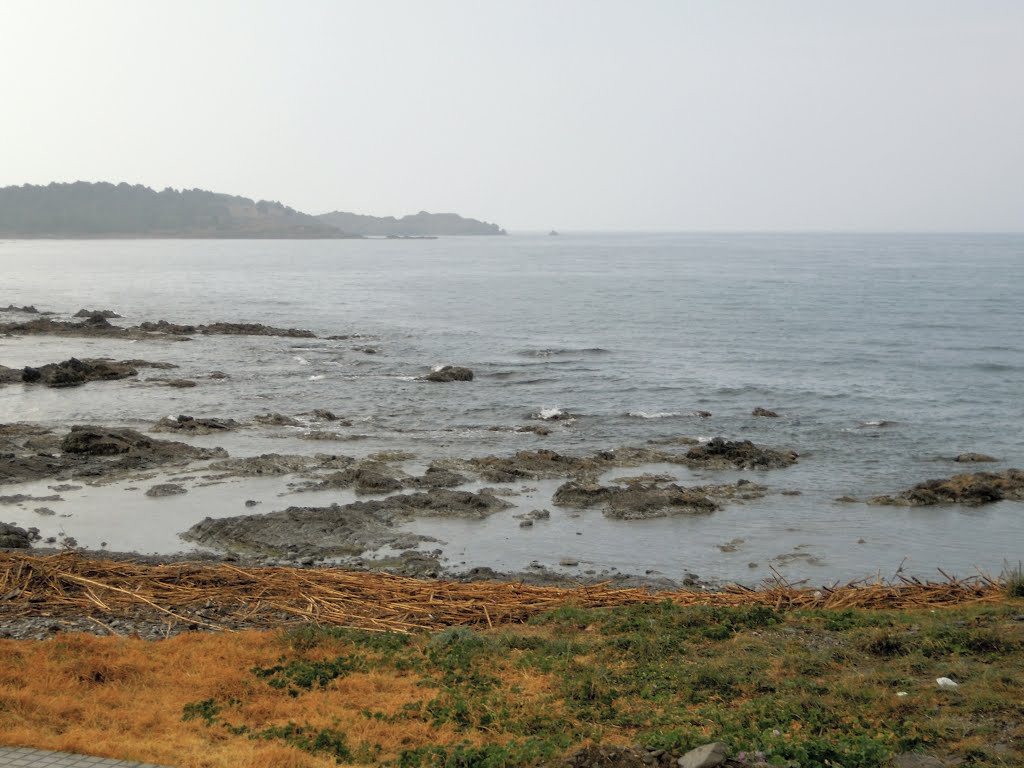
995	367
300	360
316	377
877	424
512	377
563	351
655	415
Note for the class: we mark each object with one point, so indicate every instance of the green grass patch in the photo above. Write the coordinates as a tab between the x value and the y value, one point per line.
846	689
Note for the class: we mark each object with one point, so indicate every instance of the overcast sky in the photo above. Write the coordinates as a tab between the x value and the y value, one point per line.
716	115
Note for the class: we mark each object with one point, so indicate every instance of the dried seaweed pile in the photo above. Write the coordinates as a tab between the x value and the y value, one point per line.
222	596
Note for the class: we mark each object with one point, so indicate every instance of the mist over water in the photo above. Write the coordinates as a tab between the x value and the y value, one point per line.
885	355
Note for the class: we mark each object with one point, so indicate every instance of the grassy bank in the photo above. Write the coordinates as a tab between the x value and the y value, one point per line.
845	688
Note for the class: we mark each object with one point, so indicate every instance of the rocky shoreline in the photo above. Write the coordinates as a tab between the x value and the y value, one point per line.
375	533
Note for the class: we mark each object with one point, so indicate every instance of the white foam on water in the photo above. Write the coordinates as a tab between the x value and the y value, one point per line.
550	413
656	415
300	360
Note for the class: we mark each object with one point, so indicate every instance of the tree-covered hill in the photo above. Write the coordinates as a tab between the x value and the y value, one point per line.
83	209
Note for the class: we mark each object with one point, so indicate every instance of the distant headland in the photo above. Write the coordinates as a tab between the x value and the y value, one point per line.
420	224
104	210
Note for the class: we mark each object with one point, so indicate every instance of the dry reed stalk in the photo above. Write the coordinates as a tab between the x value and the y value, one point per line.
381	602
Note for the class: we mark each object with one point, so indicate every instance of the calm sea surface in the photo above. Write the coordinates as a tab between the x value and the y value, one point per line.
884	356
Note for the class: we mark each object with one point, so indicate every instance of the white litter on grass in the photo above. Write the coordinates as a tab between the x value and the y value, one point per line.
946	683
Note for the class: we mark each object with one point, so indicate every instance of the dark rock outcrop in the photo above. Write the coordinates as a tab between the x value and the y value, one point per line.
45	326
740	454
97	325
765	413
970	489
75	372
114	441
107	314
13	537
449	373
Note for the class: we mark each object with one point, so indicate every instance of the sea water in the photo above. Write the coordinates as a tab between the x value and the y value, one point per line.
884	355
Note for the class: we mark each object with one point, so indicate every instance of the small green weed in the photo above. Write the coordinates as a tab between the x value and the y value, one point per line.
206	711
304	674
309	739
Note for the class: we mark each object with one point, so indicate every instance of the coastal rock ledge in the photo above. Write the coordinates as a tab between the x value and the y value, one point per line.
972	489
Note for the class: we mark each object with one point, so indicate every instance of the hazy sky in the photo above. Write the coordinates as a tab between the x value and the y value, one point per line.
716	115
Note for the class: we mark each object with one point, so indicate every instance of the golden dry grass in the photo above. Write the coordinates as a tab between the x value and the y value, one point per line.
123	698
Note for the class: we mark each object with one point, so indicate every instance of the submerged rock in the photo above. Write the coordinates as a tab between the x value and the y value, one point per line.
278	420
194	426
636	502
974	458
637	499
224	329
9	375
536	429
322	414
95	453
437	478
764	412
254	329
971	489
350	529
540	464
166	489
449	373
277	464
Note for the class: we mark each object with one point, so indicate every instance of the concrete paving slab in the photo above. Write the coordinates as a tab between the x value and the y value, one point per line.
24	757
